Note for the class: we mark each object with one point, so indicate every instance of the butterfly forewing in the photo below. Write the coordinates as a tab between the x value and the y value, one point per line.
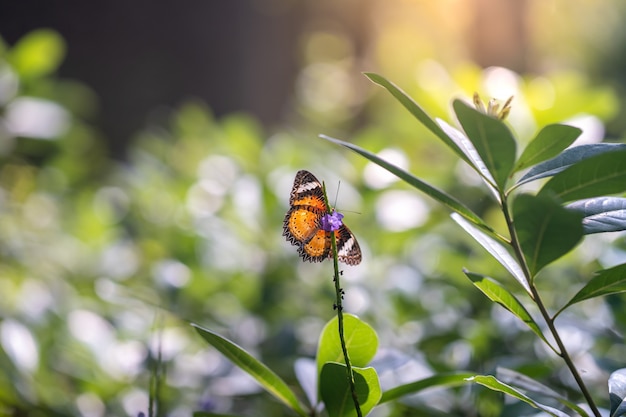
307	190
301	223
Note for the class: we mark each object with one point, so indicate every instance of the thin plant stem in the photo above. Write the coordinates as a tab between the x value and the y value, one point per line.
339	307
563	353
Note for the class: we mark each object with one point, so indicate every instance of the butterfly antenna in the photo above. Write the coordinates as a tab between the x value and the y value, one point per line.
337	194
337	197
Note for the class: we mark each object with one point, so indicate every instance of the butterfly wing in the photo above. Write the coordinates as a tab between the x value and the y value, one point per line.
302	224
307	191
302	221
317	248
348	249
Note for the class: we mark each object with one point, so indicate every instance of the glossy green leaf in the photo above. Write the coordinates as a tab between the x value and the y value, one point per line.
529	385
498	294
476	161
605	282
491	138
601	214
361	342
428	189
617	392
440	380
546	231
271	382
38	53
416	111
496	250
492	383
548	143
594	177
566	159
337	396
511	377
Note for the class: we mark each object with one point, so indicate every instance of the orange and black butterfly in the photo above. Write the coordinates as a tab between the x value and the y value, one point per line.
309	222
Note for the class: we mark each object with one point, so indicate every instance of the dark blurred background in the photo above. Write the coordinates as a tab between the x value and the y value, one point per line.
139	55
245	55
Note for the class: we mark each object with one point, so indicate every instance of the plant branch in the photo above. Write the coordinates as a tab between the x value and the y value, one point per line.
562	352
339	307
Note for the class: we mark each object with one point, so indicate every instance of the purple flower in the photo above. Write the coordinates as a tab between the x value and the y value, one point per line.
332	221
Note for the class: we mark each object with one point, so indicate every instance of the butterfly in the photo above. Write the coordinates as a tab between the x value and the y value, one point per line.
309	222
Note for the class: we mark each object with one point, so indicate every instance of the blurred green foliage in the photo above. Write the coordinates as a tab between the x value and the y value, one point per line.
103	263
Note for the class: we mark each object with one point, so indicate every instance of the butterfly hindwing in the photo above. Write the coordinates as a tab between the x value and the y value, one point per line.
348	249
317	248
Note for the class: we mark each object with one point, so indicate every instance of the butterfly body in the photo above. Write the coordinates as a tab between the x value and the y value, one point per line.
303	224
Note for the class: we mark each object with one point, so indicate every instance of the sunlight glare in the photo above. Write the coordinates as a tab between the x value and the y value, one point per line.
500	83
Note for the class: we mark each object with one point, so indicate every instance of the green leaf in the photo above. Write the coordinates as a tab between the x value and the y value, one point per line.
271	382
566	159
468	148
546	231
416	111
361	342
496	250
336	394
498	294
529	385
605	282
601	214
493	384
594	177
441	380
514	378
428	189
491	138
617	392
548	143
38	53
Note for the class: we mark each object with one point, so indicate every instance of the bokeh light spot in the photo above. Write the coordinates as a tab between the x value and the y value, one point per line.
377	177
401	210
36	118
19	344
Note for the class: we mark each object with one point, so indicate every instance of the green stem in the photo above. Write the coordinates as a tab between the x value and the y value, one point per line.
339	308
563	353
